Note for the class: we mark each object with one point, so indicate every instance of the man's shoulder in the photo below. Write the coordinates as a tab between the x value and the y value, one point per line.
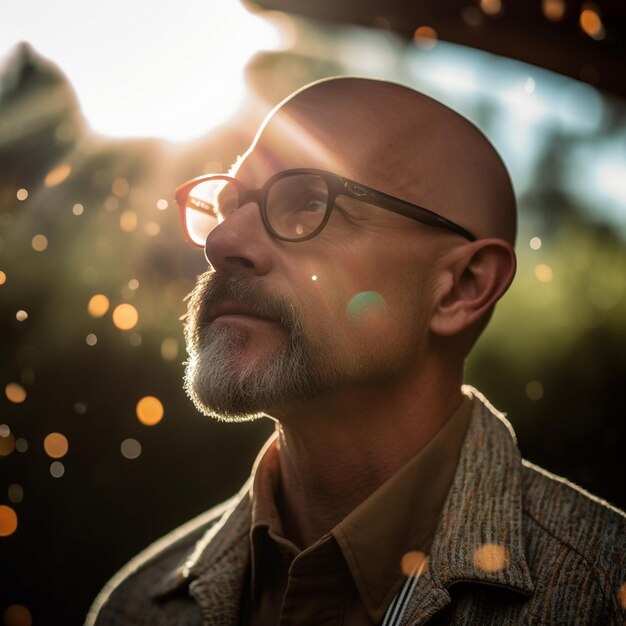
147	573
573	535
569	512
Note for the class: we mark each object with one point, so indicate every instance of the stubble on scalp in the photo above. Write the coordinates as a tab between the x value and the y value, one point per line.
217	380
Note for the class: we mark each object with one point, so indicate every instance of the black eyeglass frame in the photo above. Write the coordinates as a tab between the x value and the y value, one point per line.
337	186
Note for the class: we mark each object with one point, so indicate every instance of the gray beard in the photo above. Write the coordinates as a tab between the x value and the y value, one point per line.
215	378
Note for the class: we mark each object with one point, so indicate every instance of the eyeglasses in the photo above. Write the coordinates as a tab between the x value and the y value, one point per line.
295	204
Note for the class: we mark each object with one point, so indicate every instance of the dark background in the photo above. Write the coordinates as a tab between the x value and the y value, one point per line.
554	357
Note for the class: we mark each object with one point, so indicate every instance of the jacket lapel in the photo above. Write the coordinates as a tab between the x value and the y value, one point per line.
215	571
479	536
217	568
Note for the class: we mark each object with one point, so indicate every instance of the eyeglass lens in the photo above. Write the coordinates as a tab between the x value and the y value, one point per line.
295	205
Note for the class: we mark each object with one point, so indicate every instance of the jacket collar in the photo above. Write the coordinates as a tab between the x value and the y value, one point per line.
215	570
480	536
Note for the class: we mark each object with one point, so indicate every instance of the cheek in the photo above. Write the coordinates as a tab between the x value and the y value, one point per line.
361	294
363	314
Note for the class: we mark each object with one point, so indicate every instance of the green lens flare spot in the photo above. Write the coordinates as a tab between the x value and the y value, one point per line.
365	303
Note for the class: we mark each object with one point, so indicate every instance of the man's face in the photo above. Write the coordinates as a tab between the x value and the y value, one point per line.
275	323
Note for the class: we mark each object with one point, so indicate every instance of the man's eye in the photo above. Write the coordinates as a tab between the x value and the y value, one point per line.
312	204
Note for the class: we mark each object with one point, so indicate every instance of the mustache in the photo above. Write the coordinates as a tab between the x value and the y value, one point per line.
214	288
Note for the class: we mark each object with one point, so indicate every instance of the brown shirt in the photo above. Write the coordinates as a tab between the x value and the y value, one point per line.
350	576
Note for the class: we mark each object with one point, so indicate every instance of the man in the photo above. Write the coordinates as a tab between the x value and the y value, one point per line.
357	251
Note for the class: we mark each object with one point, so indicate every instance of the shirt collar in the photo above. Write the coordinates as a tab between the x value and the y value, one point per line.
399	517
266	524
265	484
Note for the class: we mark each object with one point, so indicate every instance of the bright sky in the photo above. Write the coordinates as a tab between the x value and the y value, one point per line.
145	67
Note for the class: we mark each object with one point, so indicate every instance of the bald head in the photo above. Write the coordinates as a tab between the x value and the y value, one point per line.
399	141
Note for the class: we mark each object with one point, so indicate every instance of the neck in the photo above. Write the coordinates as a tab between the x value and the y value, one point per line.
336	451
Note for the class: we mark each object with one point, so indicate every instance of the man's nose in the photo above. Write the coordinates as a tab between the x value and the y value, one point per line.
240	243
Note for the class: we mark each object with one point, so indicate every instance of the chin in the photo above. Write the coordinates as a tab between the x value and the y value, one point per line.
215	392
229	381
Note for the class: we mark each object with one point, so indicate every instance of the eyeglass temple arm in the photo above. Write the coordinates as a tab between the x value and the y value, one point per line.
402	207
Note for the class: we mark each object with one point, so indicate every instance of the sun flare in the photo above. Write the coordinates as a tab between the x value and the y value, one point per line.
146	69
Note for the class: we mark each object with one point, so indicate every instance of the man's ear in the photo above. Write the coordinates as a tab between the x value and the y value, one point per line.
473	277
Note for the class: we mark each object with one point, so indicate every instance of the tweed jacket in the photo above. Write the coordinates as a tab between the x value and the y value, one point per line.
514	545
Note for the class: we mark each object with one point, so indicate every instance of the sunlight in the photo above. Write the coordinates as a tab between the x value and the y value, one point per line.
523	103
146	69
611	179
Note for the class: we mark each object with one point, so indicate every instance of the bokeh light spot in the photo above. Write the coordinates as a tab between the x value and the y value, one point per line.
3	278
57	469
364	304
130	448
314	277
39	243
22	194
491	557
472	16
78	209
120	187
55	445
149	410
152	229
544	273
15	393
590	22
98	305
133	284
554	10
57	175
125	316
425	37
21	445
21	315
15	493
162	204
8	520
491	7
128	221
17	615
7	444
135	340
621	596
80	408
534	390
91	339
111	204
413	563
5	431
169	349
535	243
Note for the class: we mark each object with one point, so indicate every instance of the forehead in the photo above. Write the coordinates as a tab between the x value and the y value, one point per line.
319	136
